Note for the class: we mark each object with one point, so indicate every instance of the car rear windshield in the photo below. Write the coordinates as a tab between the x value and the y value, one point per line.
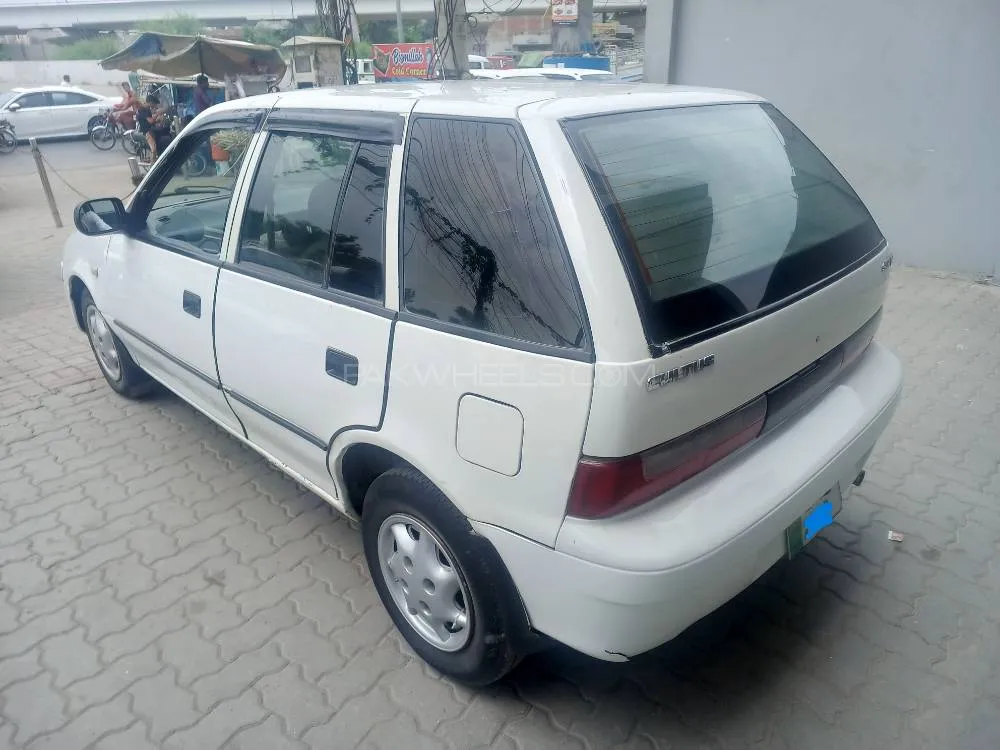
722	213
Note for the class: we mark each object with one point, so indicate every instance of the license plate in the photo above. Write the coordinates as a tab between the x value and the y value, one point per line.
807	526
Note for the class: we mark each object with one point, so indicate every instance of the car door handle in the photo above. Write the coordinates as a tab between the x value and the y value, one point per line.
342	366
192	304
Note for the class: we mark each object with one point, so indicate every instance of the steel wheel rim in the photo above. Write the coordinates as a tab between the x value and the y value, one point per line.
424	582
104	343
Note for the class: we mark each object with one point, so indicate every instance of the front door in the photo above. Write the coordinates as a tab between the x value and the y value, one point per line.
167	267
30	117
302	335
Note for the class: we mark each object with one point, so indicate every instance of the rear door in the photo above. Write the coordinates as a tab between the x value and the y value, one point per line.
301	329
71	111
492	362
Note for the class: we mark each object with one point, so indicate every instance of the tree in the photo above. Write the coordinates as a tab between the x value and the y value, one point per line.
95	48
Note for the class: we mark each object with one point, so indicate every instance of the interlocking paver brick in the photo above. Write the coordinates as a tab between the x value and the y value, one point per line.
86	727
268	735
233	678
326	611
70	657
352	721
33	707
132	738
18	668
217	728
141	634
113	679
190	655
163	705
430	700
300	704
315	655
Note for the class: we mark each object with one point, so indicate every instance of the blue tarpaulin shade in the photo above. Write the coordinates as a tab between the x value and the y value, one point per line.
174	56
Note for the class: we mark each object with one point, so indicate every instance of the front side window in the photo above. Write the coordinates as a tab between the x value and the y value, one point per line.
720	212
288	225
479	244
189	211
33	101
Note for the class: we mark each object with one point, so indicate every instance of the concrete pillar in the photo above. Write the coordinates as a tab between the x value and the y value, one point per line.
660	22
569	38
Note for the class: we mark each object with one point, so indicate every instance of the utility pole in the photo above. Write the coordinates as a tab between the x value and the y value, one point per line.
573	38
452	42
400	36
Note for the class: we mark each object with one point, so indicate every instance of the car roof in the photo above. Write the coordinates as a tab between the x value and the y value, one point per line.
492	98
44	89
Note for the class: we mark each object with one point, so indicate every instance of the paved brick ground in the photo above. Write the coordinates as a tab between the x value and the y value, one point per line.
161	587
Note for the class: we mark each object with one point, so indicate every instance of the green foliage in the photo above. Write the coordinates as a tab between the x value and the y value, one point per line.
179	23
265	35
4	52
384	32
363	49
95	48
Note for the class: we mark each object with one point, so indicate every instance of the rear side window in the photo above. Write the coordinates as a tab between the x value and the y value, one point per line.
480	248
721	213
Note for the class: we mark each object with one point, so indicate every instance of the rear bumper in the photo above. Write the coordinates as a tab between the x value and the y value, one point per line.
616	588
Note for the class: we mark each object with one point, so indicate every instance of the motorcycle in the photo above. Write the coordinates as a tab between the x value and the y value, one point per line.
109	128
8	139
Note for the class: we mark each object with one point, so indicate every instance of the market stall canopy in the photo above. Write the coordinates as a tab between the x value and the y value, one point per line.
174	56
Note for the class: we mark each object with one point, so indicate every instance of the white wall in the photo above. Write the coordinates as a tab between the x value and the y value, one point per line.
84	73
902	95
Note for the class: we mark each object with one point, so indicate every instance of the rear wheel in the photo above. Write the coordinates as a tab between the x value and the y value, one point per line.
103	137
445	587
131	141
117	365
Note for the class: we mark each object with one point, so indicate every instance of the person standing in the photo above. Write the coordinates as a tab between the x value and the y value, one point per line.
202	97
65	81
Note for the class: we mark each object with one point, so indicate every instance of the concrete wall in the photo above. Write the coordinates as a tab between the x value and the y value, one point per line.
903	95
84	73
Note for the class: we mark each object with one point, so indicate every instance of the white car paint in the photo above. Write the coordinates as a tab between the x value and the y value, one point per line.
610	588
52	111
551	74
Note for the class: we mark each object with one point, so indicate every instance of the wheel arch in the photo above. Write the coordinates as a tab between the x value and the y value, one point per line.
76	287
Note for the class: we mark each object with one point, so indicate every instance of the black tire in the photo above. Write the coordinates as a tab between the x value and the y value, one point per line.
130	144
499	634
131	381
103	137
93	122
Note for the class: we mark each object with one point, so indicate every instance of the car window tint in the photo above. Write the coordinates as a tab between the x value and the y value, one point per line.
289	217
480	247
31	101
359	243
189	212
67	98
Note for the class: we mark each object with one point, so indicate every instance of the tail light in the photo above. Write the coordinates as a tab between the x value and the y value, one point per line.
602	488
605	487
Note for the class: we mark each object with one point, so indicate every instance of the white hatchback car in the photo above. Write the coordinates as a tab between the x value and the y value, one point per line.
53	111
584	360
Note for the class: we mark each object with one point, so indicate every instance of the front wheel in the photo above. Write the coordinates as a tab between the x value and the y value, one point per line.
117	365
7	142
445	587
103	137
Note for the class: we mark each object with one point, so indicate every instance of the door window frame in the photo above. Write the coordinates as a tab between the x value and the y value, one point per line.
46	94
586	351
357	126
164	170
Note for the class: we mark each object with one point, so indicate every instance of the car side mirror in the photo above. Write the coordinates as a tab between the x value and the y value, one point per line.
100	216
13	107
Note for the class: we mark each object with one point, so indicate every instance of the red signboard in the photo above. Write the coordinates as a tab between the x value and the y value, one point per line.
402	60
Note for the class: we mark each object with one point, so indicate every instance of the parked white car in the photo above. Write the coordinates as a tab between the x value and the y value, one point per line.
52	111
549	74
585	362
